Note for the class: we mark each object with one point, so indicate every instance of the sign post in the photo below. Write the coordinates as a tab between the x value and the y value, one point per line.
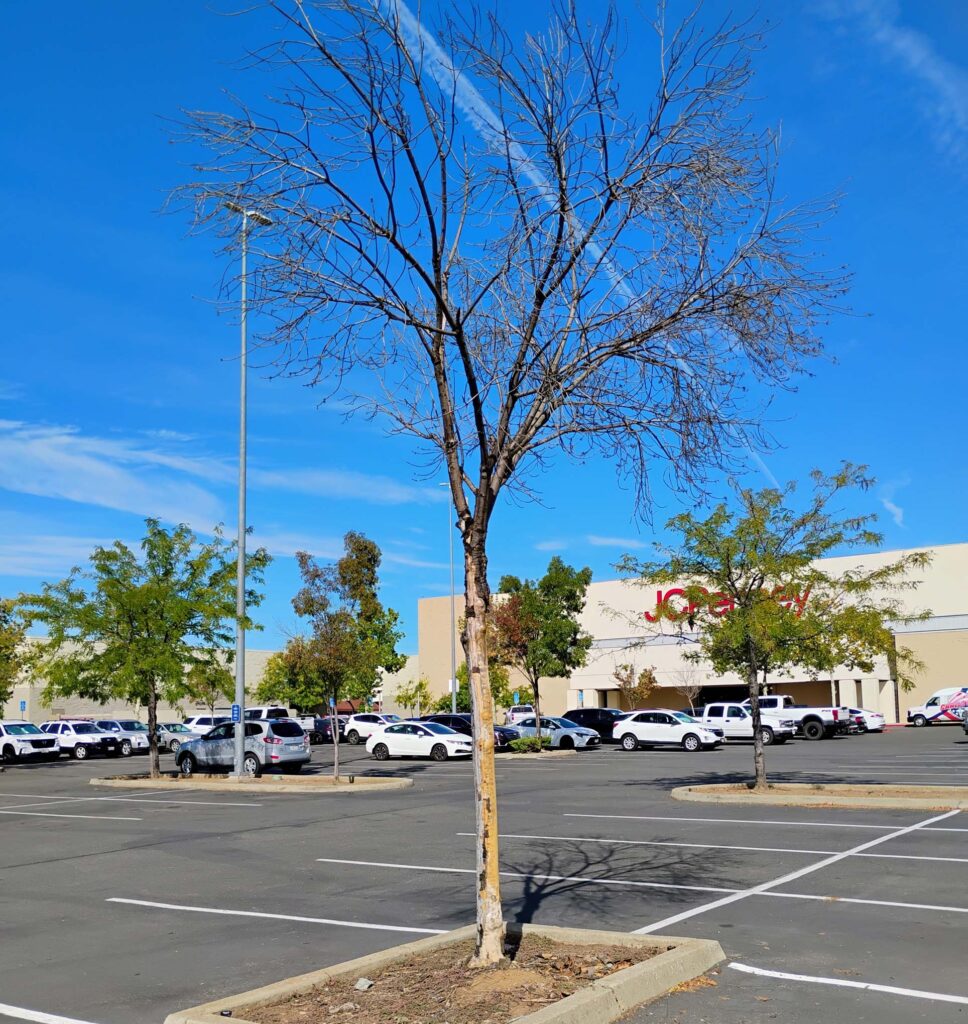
334	728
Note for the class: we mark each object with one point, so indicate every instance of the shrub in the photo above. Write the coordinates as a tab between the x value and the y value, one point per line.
529	744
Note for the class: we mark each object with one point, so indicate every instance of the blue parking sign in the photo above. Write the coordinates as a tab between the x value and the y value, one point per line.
23	706
236	713
517	697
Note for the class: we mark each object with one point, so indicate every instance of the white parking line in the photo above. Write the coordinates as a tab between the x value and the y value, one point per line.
751	821
36	1015
278	917
718	846
867	903
844	983
791	876
526	875
157	798
96	817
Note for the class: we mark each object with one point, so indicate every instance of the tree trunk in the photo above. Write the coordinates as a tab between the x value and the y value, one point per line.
537	711
334	726
759	756
153	760
490	918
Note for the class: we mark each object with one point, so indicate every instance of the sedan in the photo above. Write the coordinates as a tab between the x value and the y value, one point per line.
563	734
503	734
171	735
665	729
867	721
418	739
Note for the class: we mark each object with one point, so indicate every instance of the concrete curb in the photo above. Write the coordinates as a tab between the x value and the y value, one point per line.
600	1002
796	794
510	755
265	784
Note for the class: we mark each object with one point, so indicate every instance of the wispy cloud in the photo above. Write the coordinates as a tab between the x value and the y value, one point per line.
887	492
170	435
284	543
348	484
628	543
47	556
943	84
551	545
413	563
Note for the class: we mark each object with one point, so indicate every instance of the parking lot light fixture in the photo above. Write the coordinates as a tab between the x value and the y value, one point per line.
262	220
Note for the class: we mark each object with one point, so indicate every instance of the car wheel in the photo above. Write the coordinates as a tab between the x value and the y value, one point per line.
173	746
766	736
813	730
567	743
353	737
691	742
187	764
629	742
291	769
79	752
381	752
251	766
9	755
919	721
126	748
438	752
315	738
861	728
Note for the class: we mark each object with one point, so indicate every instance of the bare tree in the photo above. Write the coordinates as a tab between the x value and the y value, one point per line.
477	244
688	683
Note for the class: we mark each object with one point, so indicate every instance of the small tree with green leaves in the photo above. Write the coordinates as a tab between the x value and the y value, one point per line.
352	636
634	689
415	695
500	689
13	653
211	682
536	625
134	628
757	600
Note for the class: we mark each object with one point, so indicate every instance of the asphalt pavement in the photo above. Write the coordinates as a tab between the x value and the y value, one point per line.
121	905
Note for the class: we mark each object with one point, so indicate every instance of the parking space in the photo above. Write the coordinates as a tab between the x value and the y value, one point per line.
134	902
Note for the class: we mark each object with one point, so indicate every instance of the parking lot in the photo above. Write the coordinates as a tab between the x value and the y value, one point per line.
123	905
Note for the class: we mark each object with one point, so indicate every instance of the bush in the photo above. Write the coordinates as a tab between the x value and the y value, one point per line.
529	744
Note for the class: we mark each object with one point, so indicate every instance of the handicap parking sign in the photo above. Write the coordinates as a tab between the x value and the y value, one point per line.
236	713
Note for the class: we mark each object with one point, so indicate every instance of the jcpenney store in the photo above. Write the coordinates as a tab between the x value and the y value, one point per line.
618	613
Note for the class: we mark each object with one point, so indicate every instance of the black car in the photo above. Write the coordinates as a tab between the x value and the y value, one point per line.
503	734
324	728
602	720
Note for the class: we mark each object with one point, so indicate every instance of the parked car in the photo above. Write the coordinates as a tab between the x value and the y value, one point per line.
563	733
734	722
276	743
867	721
661	728
602	720
171	735
132	734
362	726
269	711
503	734
21	741
514	715
324	726
80	738
198	725
942	707
814	723
418	739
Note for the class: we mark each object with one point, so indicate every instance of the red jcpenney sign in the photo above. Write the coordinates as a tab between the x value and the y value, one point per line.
717	604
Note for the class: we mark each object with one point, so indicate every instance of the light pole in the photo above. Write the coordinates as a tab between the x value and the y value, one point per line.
259	218
453	624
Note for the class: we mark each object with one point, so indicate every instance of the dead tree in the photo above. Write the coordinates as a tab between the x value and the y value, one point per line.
476	242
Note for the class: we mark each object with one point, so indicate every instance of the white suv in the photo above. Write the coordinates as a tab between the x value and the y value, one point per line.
198	725
361	727
80	738
20	740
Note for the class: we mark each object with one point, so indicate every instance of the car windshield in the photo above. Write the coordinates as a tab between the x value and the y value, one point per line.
681	716
132	726
176	727
27	729
560	722
86	727
391	718
281	728
438	728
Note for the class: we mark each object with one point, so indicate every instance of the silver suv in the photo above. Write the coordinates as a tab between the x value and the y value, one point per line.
132	735
280	742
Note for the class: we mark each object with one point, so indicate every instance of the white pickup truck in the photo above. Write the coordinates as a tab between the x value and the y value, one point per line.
269	711
736	723
812	723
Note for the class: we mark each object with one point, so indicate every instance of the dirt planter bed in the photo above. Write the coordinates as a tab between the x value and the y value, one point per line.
848	796
559	976
533	755
317	785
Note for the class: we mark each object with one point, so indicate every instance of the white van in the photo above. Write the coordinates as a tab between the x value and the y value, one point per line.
944	706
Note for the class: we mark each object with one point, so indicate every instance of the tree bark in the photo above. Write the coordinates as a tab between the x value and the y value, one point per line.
153	759
490	918
759	756
537	710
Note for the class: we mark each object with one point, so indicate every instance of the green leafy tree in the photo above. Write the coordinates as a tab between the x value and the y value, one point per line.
210	681
500	689
135	627
13	654
536	625
756	601
634	689
352	637
415	695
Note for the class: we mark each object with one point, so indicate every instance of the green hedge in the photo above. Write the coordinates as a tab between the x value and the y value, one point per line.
529	744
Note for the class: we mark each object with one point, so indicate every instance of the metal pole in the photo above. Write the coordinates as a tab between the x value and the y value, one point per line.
240	566
453	624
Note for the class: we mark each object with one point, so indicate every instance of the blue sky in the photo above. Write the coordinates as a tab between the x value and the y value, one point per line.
118	390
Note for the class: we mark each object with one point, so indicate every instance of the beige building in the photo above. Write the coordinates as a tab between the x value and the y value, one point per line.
616	615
